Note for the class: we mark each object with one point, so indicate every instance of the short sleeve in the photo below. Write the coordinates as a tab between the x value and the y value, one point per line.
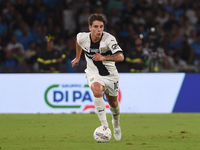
78	38
81	37
113	45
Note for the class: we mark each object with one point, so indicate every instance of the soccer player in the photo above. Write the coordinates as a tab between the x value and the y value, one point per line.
101	53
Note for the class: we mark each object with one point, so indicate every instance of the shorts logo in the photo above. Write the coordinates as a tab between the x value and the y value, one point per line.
115	46
91	79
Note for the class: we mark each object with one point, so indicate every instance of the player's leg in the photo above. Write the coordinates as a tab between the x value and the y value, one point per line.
114	108
115	111
99	103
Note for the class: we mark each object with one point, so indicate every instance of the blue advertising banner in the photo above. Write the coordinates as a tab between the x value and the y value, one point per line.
188	99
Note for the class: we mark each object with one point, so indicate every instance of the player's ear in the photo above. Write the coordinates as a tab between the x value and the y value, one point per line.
90	28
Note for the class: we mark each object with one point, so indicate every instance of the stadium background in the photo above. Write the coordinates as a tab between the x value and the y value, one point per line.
31	20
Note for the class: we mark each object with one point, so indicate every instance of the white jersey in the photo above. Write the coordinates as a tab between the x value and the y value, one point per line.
106	46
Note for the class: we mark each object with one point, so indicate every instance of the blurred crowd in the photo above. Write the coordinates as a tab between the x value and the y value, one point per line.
25	23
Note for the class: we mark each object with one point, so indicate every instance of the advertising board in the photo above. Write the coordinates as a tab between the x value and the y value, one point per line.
67	93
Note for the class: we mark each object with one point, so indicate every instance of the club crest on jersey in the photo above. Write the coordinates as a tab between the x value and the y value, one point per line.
102	49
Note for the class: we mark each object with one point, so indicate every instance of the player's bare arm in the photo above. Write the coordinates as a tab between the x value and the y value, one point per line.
78	55
115	57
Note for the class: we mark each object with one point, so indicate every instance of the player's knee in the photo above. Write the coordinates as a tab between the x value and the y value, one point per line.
113	104
97	89
97	93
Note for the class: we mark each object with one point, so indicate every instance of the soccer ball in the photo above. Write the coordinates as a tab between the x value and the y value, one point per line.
102	134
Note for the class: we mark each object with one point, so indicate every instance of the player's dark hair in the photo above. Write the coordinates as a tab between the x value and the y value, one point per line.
95	17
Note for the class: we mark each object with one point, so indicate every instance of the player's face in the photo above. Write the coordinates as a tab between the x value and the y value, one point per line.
96	29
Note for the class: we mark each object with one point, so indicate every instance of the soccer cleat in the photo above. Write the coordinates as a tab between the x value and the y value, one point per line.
117	133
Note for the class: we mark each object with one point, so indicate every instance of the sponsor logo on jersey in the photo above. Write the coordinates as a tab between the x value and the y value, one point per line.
93	50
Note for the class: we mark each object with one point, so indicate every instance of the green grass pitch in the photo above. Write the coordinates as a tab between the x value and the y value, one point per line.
176	131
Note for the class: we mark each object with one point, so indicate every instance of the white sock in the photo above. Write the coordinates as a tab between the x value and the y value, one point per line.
115	115
101	110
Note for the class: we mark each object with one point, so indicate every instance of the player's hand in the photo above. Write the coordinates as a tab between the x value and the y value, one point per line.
98	57
75	62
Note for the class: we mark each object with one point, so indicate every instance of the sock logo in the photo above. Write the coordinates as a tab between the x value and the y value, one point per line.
115	114
101	110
